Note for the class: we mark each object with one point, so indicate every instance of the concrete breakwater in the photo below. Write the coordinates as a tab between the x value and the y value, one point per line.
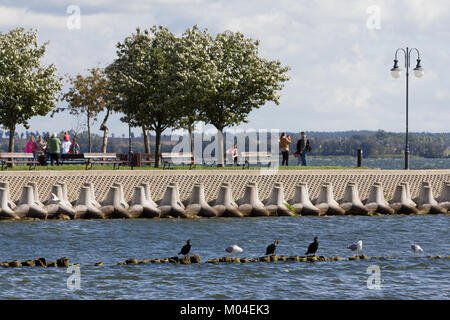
196	194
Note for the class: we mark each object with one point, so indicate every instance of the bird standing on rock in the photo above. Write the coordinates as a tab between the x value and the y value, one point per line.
271	248
234	249
186	248
313	246
356	247
416	248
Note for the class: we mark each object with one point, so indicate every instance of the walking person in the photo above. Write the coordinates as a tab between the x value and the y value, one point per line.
234	154
31	147
54	148
303	147
285	140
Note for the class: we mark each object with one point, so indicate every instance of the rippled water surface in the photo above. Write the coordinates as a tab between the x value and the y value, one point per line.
380	163
404	277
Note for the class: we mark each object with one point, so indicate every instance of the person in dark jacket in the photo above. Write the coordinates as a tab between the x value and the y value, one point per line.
303	147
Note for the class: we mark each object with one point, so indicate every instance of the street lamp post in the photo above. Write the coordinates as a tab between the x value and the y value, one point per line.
396	72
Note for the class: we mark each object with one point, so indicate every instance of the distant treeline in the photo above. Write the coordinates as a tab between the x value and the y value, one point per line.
346	143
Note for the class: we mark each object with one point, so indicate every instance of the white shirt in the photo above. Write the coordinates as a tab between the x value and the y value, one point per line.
65	147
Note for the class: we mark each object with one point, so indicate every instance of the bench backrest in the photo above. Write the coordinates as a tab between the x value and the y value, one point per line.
176	155
254	154
99	155
6	155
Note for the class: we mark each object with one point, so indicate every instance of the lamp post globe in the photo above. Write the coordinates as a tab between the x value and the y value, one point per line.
396	73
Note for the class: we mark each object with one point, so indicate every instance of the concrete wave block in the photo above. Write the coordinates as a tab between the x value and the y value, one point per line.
36	194
90	185
376	202
85	206
123	202
5	210
426	202
408	193
140	206
351	201
197	205
271	195
170	205
276	204
5	185
401	202
57	207
444	197
113	206
148	194
326	203
27	206
302	203
224	204
249	204
65	192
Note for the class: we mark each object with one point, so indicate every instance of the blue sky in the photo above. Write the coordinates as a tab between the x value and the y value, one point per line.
340	76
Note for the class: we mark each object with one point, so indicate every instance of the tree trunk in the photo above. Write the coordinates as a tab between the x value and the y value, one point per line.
89	133
12	132
146	140
191	140
105	130
219	150
158	148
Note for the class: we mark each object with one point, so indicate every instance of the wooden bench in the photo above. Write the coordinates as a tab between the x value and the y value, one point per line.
7	158
143	159
72	158
169	158
258	157
103	158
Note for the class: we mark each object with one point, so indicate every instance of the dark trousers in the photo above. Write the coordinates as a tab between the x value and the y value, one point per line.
55	157
285	155
302	159
235	160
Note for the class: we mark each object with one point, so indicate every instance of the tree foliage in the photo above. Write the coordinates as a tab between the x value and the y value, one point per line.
27	87
143	79
88	95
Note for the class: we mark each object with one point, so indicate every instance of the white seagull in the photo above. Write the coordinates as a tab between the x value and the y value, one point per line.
55	198
234	249
416	248
355	247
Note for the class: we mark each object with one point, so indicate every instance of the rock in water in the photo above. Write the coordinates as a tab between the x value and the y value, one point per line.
62	262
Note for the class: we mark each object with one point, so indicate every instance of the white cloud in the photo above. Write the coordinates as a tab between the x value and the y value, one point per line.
340	69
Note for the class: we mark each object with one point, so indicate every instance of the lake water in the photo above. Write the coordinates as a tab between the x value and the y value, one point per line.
381	163
405	276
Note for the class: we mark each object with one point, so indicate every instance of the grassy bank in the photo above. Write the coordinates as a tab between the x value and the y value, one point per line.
71	167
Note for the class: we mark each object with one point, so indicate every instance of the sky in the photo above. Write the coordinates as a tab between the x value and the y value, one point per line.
340	54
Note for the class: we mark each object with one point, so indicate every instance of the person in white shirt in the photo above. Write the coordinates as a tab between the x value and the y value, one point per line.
65	145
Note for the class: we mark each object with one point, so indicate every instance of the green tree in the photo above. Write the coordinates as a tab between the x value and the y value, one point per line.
89	95
27	87
143	78
194	68
236	81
